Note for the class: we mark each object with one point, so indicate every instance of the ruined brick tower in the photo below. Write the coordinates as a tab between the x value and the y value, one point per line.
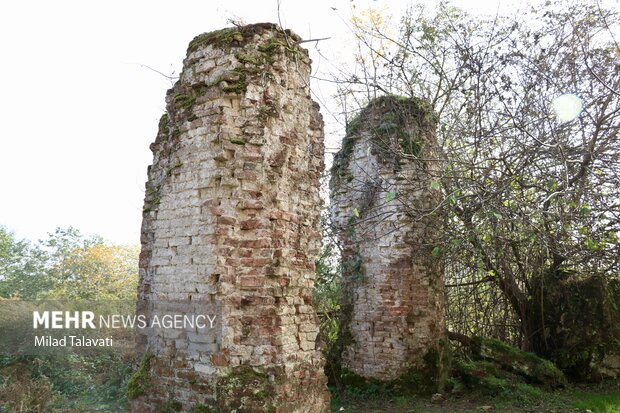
384	192
231	225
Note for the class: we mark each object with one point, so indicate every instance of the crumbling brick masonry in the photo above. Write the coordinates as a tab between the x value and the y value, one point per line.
231	223
383	198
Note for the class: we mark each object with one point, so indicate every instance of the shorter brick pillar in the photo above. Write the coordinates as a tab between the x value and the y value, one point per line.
383	200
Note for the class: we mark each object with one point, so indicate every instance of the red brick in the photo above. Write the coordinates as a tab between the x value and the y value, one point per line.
226	220
252	204
251	281
219	360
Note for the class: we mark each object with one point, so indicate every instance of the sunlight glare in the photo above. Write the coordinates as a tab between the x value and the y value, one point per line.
567	107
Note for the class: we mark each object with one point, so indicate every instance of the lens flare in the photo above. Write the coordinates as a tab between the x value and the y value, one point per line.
567	107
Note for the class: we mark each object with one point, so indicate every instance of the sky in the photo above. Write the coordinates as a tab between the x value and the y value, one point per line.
79	107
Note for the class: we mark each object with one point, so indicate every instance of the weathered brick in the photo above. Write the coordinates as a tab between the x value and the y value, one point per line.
397	311
213	236
226	220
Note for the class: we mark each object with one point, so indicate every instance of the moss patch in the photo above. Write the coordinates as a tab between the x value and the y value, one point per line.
184	101
432	376
271	47
140	380
238	141
235	81
429	379
230	36
487	378
246	58
253	59
236	36
395	124
172	406
245	387
268	110
437	366
342	157
526	364
203	408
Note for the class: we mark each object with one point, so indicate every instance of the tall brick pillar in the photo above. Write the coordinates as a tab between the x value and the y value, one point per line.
231	227
384	192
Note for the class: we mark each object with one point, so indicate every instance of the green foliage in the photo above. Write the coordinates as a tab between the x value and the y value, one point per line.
326	298
63	383
327	295
579	320
101	272
67	265
526	192
22	267
607	402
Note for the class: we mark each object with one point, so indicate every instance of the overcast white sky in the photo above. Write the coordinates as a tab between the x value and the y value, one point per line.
78	112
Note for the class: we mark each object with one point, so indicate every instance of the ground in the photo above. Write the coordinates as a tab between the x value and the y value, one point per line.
601	398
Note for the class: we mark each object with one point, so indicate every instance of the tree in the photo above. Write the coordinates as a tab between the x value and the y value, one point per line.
21	267
87	268
529	114
67	265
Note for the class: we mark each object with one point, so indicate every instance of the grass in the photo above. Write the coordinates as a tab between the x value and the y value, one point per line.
78	384
606	402
572	399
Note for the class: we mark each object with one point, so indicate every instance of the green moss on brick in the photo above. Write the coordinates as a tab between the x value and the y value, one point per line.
249	386
184	101
203	408
527	364
437	366
271	47
139	382
246	58
395	124
429	378
237	36
236	81
218	38
172	406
